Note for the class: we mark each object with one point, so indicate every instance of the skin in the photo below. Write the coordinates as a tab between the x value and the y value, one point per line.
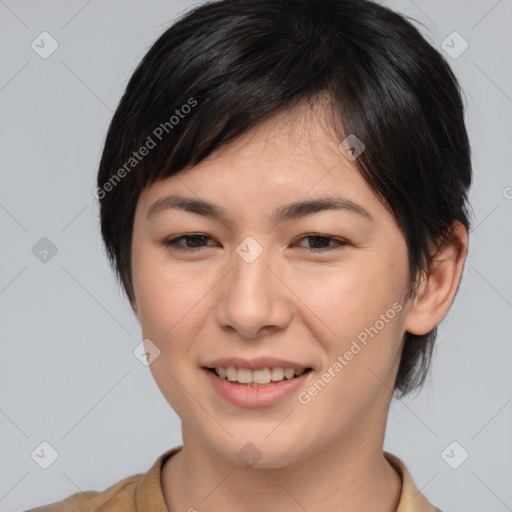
288	303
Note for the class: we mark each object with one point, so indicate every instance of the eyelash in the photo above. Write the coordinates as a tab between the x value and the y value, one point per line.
173	243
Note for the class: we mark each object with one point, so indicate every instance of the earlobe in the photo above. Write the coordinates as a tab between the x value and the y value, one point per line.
437	289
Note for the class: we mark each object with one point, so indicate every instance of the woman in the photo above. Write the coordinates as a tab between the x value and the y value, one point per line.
283	197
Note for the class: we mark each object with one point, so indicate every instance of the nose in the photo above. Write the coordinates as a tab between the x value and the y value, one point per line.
254	299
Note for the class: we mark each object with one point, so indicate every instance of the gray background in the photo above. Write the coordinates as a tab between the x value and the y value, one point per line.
67	369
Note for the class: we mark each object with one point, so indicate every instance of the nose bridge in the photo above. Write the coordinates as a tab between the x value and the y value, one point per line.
252	297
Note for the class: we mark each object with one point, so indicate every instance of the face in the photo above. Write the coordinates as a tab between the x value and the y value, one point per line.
260	286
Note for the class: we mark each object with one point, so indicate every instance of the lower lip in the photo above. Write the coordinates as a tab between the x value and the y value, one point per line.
255	396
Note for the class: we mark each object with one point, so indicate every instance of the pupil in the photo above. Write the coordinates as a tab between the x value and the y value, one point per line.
317	245
196	239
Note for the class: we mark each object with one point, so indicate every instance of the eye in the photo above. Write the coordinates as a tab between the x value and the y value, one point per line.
195	239
323	241
196	242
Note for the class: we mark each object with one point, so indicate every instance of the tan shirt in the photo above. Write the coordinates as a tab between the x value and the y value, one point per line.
143	493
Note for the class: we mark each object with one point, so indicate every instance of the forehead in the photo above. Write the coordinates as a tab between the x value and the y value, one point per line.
297	139
291	156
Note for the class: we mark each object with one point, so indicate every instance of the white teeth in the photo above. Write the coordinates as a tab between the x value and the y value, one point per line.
289	373
244	375
231	373
261	376
277	373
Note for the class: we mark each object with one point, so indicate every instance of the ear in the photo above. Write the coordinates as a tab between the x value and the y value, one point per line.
437	289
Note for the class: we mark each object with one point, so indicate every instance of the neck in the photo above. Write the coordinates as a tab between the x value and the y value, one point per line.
353	473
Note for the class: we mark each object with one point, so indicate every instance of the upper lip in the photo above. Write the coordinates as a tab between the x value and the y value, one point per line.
255	364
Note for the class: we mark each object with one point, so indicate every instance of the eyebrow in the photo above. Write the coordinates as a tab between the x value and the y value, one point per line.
283	213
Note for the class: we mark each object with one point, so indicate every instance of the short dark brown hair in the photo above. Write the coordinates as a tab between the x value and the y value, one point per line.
228	65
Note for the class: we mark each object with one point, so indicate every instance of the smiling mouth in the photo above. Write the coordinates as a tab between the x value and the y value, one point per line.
255	378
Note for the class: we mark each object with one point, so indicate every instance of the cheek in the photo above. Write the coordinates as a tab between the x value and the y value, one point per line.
353	298
166	295
361	357
362	307
169	305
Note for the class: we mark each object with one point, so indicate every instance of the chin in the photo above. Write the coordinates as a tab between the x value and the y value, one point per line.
261	452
